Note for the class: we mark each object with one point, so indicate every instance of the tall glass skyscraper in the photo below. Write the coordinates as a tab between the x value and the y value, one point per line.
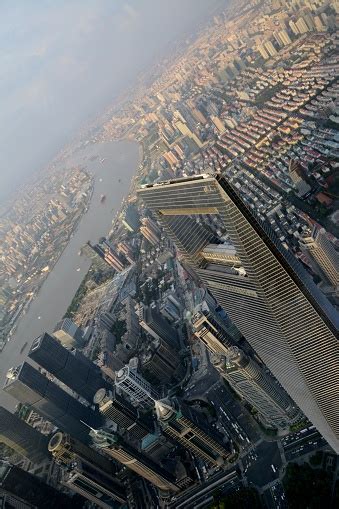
270	298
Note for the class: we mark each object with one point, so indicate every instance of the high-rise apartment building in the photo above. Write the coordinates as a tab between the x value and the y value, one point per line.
86	471
115	447
322	253
29	386
189	429
126	416
272	301
135	386
22	438
76	371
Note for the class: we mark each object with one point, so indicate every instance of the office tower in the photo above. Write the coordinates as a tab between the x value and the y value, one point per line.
250	381
273	301
76	371
161	363
86	471
215	333
135	386
171	159
323	255
170	308
298	179
29	386
115	447
150	231
130	218
11	501
126	416
69	334
189	428
243	373
31	490
157	326
22	438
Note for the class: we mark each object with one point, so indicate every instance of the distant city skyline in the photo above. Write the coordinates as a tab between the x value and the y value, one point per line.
62	63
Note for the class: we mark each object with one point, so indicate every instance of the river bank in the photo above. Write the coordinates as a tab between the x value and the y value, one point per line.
113	179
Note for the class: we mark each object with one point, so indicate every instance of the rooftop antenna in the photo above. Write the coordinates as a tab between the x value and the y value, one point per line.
90	427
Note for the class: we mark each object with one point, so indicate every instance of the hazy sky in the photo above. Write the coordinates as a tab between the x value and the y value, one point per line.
63	60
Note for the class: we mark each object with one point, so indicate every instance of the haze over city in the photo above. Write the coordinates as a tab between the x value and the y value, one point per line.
169	254
61	63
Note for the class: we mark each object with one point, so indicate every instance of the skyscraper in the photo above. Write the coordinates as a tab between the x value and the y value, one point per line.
162	362
107	253
152	321
76	371
32	490
272	301
323	255
150	231
125	415
69	334
188	428
22	438
31	387
115	447
244	374
86	471
135	386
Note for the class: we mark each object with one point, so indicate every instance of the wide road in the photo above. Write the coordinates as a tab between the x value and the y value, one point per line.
57	291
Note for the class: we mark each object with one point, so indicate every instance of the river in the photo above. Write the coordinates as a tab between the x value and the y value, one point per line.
60	286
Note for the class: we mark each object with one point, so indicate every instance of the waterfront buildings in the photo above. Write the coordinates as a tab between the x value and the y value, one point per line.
107	253
272	301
